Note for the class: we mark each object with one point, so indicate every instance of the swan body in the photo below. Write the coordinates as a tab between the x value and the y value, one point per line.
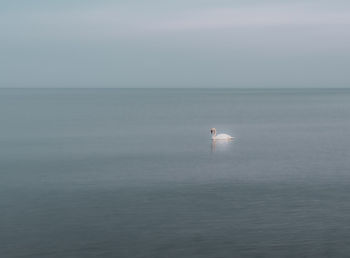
221	136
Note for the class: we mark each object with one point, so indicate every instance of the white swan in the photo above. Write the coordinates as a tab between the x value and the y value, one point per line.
221	136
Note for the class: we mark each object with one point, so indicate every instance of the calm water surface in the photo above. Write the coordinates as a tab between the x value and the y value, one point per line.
133	173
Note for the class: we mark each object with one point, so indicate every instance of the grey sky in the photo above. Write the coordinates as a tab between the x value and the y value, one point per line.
197	43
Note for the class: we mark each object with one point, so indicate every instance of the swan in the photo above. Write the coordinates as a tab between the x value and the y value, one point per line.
221	136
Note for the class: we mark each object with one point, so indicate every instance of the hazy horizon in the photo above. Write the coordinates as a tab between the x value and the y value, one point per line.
196	44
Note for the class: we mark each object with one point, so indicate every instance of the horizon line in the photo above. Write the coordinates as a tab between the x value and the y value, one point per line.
183	88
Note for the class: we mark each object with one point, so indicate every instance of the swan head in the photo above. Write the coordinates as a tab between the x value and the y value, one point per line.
213	131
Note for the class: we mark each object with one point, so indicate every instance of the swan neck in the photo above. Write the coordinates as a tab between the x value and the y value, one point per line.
213	134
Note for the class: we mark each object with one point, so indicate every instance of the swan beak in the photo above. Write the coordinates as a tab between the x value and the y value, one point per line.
211	131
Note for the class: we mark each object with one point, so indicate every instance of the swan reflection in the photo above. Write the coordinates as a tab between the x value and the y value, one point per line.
221	145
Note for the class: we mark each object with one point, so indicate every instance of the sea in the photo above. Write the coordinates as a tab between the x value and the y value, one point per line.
134	173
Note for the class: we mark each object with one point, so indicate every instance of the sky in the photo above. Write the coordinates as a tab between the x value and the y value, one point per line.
178	43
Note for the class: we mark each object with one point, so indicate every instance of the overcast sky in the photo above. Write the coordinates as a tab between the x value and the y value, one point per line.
178	43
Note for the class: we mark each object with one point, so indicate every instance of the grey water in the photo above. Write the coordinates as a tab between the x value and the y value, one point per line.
133	173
